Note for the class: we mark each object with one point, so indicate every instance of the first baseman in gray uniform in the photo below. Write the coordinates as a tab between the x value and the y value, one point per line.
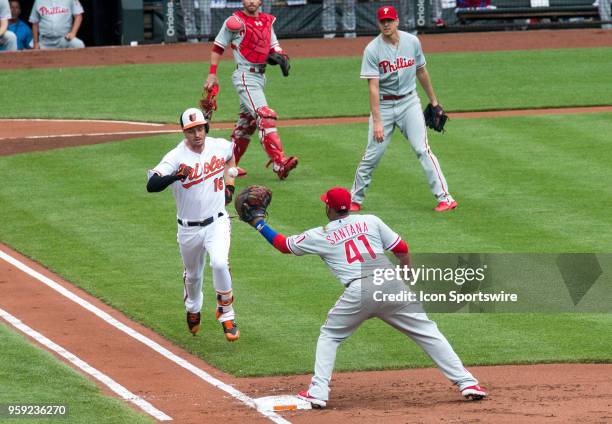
391	63
8	39
346	244
55	24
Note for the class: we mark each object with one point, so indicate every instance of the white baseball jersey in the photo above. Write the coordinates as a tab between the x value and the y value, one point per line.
395	66
55	16
345	244
5	10
202	194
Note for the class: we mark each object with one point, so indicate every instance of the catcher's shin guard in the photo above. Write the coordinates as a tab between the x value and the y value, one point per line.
271	142
241	136
225	315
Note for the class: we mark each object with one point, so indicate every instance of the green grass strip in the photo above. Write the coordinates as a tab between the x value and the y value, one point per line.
30	375
318	87
524	184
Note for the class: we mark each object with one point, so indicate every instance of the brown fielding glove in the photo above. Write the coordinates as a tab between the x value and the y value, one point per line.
252	202
282	59
183	172
208	102
435	118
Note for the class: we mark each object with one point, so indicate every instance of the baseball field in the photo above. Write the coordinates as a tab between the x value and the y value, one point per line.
90	271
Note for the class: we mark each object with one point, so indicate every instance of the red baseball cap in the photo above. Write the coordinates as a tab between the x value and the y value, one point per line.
337	198
386	12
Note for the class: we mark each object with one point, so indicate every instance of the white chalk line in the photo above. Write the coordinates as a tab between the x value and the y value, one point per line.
142	338
85	367
34	137
109	121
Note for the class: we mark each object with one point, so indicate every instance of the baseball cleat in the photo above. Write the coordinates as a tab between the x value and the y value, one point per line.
446	206
284	169
355	207
474	393
241	172
193	322
316	403
230	329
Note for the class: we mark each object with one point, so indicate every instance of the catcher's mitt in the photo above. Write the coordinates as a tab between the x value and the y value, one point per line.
252	202
276	58
208	102
435	118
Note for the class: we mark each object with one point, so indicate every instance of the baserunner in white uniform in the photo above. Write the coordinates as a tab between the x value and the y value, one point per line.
392	63
197	171
346	244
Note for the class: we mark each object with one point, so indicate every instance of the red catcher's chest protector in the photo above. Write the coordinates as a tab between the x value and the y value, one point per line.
255	44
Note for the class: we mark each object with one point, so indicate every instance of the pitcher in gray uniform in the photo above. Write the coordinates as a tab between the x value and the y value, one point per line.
8	40
55	24
346	243
392	63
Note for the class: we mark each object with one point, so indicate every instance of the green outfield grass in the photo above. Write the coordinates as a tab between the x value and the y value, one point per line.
316	87
29	375
535	184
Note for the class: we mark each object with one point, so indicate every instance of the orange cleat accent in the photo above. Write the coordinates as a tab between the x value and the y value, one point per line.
230	329
445	206
355	207
193	322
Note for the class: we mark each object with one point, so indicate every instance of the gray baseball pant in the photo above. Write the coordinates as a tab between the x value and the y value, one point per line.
194	10
356	305
604	13
406	114
60	43
8	40
328	19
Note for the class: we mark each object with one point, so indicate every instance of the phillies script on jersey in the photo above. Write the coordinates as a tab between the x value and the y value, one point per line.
401	62
197	175
53	11
343	233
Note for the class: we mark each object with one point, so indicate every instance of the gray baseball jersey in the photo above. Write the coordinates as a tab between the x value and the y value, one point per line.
226	37
54	17
394	66
5	9
344	243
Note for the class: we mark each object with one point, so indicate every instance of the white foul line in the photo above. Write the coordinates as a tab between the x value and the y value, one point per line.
109	121
85	367
33	137
143	339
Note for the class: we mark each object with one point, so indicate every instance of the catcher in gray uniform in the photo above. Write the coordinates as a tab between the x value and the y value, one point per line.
392	63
